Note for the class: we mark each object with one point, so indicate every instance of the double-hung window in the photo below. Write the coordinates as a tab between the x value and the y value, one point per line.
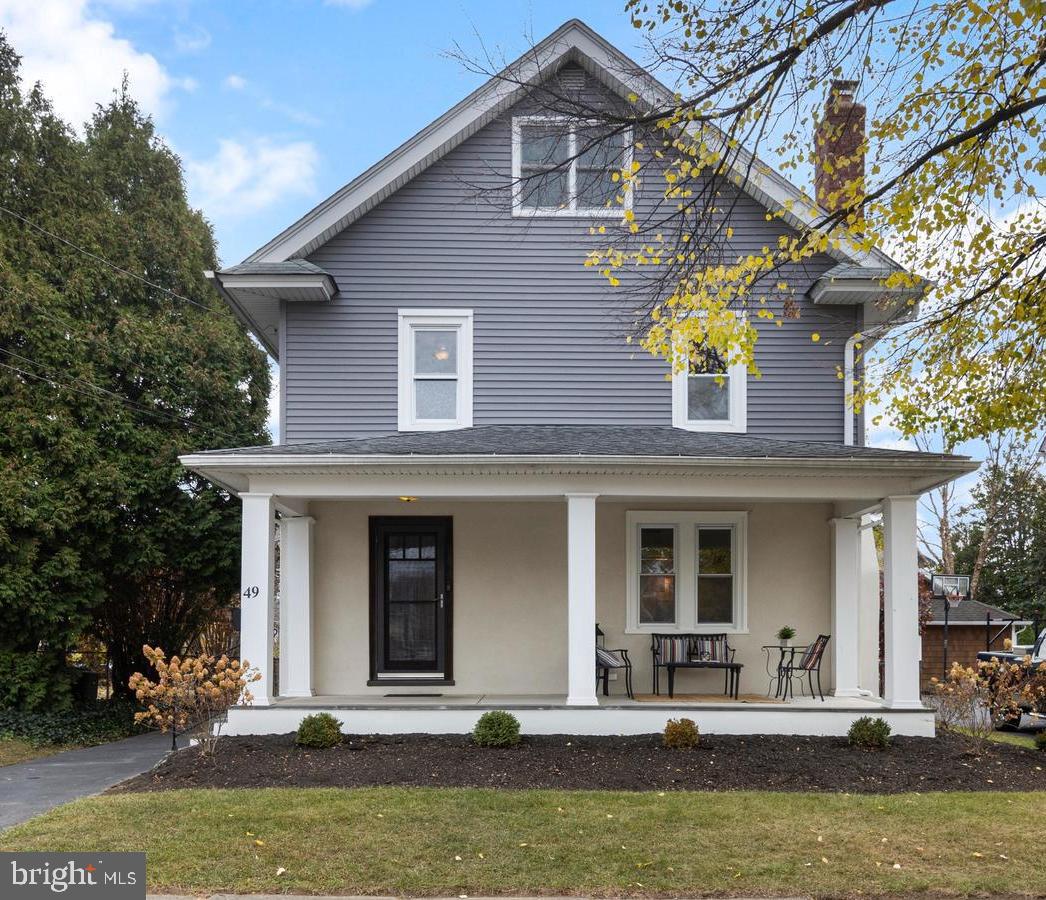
435	369
563	166
709	395
686	571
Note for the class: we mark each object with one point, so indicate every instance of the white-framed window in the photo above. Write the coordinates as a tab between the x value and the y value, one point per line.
686	572
435	369
563	167
708	395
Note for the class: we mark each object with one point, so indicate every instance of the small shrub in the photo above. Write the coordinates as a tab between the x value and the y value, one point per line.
1040	741
192	692
496	728
867	733
681	734
320	731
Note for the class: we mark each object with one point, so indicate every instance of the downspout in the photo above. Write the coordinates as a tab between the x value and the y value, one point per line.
848	388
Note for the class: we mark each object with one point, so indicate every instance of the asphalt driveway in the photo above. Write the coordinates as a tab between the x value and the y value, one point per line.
30	788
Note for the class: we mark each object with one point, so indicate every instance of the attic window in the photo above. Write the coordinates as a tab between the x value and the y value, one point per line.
563	167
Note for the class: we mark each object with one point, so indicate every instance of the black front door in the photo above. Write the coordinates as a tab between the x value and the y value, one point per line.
410	598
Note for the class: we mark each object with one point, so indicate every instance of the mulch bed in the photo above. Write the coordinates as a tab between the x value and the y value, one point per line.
948	762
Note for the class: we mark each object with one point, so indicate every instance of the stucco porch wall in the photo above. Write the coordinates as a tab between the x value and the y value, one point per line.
510	591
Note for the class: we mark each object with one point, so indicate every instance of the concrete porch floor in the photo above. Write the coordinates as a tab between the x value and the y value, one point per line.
435	700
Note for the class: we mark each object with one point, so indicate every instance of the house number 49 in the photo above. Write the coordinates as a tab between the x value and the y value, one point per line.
251	591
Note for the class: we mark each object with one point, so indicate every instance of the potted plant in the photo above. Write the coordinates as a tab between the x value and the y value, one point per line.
785	634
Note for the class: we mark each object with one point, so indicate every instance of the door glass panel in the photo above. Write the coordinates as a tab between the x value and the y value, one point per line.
395	546
435	351
412	633
428	546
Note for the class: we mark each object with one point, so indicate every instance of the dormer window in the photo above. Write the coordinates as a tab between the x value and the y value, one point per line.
564	167
709	395
435	369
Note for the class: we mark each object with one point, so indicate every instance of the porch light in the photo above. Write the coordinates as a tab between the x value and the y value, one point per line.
408	499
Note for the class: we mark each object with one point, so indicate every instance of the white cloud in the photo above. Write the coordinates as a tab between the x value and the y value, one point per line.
234	82
354	5
244	177
192	40
79	59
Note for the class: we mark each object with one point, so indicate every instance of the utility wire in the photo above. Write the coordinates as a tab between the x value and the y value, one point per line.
50	379
104	261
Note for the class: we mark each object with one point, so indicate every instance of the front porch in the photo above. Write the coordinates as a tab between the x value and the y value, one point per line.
481	577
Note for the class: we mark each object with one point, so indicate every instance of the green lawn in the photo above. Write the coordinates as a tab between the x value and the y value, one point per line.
433	841
15	750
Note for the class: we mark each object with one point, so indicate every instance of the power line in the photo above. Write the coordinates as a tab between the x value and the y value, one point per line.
104	261
50	379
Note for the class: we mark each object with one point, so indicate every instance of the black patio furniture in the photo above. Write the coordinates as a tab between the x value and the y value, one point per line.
611	659
695	651
809	664
785	654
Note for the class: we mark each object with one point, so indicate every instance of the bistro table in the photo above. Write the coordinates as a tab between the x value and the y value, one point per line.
786	656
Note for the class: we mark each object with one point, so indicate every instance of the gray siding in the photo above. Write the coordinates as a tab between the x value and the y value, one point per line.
549	342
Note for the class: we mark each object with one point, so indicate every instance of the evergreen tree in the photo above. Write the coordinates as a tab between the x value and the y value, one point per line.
104	380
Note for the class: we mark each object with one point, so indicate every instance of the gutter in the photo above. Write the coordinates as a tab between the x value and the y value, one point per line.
299	460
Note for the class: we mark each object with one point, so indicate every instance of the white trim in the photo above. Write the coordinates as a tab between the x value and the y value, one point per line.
685	523
737	423
409	320
581	599
571	211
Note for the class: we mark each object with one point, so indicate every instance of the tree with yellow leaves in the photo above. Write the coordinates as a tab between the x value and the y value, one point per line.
946	180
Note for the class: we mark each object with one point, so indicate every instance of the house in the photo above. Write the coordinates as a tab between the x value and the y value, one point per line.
475	468
973	626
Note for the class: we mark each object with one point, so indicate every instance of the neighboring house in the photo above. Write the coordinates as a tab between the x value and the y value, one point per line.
972	627
475	468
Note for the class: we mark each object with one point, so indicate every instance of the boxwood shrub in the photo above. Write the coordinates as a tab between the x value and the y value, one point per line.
319	731
496	728
867	733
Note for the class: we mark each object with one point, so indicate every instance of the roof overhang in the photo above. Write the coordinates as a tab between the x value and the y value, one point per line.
236	471
830	290
255	298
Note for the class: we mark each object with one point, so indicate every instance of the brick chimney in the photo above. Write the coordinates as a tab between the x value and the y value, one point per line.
838	140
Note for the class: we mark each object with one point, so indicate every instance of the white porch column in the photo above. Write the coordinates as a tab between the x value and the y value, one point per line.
257	555
296	606
869	609
846	634
900	603
581	600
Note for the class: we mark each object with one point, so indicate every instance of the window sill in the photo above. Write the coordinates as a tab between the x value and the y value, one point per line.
433	426
524	213
717	427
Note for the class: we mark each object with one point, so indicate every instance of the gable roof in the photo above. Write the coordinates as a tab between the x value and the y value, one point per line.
971	612
573	42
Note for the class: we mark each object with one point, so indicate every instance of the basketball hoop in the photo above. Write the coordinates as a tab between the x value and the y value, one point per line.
952	588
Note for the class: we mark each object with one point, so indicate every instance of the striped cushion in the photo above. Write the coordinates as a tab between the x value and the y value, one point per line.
673	649
608	659
709	648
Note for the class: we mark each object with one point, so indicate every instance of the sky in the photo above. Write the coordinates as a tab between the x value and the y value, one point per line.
272	106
